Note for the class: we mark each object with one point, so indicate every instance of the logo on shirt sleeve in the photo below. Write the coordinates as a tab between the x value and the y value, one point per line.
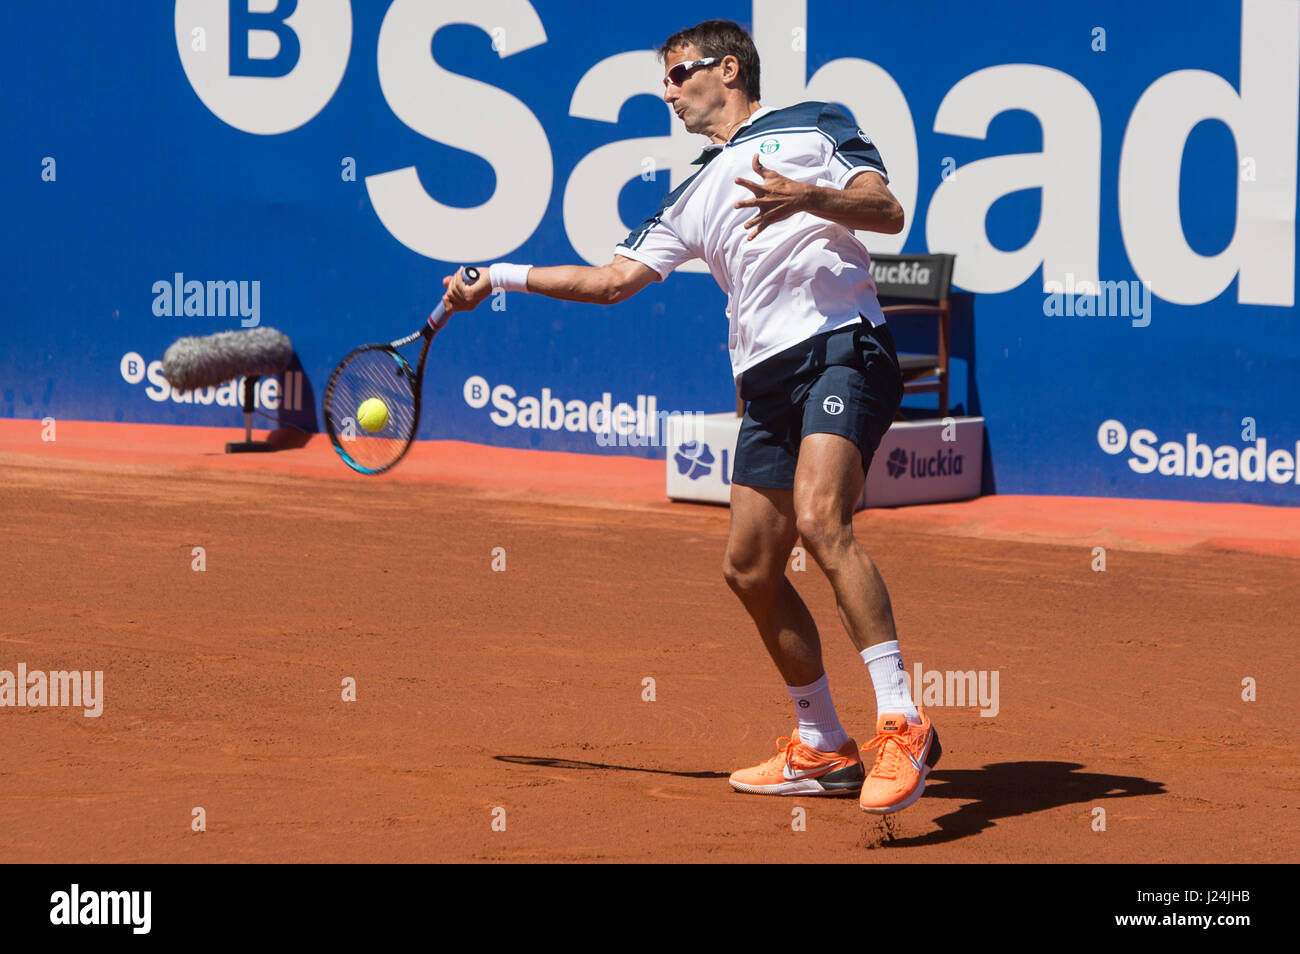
864	137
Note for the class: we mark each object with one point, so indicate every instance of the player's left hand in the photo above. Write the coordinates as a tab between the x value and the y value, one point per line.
776	198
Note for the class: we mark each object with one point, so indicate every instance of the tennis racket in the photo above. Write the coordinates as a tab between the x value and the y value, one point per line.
379	371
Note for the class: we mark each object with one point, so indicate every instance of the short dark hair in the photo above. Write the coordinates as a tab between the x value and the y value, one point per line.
720	38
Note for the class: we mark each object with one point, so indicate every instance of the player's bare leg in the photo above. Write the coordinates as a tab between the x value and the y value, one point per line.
827	485
818	758
763	532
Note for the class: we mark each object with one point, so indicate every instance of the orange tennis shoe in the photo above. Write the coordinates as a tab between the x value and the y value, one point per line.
906	754
799	769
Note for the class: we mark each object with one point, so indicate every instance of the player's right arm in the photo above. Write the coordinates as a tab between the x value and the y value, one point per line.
603	285
607	285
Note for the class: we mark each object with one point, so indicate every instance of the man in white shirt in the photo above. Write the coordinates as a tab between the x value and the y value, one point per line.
772	212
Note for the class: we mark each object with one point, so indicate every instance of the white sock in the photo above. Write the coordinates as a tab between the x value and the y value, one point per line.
819	726
885	663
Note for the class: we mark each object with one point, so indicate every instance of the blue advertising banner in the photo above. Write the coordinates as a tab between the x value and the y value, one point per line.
1117	182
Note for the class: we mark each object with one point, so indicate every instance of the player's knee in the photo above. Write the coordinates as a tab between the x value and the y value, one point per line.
822	533
735	576
744	578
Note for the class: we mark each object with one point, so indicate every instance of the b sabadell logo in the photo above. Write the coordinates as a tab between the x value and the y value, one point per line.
769	146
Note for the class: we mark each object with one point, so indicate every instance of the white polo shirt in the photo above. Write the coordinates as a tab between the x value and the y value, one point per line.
801	276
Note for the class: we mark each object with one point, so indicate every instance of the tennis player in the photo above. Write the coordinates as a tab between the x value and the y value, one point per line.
772	211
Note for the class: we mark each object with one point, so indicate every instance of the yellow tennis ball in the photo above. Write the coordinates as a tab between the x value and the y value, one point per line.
372	415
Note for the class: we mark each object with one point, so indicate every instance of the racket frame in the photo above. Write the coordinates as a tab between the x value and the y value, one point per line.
436	321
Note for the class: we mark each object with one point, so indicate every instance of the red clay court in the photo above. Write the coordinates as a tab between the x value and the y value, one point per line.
481	690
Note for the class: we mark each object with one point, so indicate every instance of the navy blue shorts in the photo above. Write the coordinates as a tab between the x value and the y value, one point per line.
844	382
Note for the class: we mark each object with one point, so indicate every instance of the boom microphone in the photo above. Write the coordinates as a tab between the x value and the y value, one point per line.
205	362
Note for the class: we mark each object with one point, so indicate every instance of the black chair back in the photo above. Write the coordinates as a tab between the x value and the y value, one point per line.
913	278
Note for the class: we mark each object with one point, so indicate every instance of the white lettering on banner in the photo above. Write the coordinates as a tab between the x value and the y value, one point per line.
614	425
591	197
1067	172
1263	120
267	394
291	86
295	64
466	114
1190	458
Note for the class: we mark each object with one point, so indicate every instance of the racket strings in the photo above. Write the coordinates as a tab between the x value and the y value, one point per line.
373	373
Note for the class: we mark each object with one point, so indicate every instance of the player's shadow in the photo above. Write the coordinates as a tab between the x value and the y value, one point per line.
581	766
1006	789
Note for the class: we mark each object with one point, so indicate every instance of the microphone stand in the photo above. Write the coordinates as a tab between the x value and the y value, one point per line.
248	445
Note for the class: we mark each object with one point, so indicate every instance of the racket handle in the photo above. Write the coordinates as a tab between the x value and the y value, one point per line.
438	317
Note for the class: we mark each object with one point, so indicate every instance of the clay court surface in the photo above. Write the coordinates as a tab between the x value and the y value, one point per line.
523	690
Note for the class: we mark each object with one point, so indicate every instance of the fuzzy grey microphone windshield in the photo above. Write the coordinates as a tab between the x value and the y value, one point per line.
214	359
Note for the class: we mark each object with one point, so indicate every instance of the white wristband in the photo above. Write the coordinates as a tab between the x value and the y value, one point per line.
509	277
